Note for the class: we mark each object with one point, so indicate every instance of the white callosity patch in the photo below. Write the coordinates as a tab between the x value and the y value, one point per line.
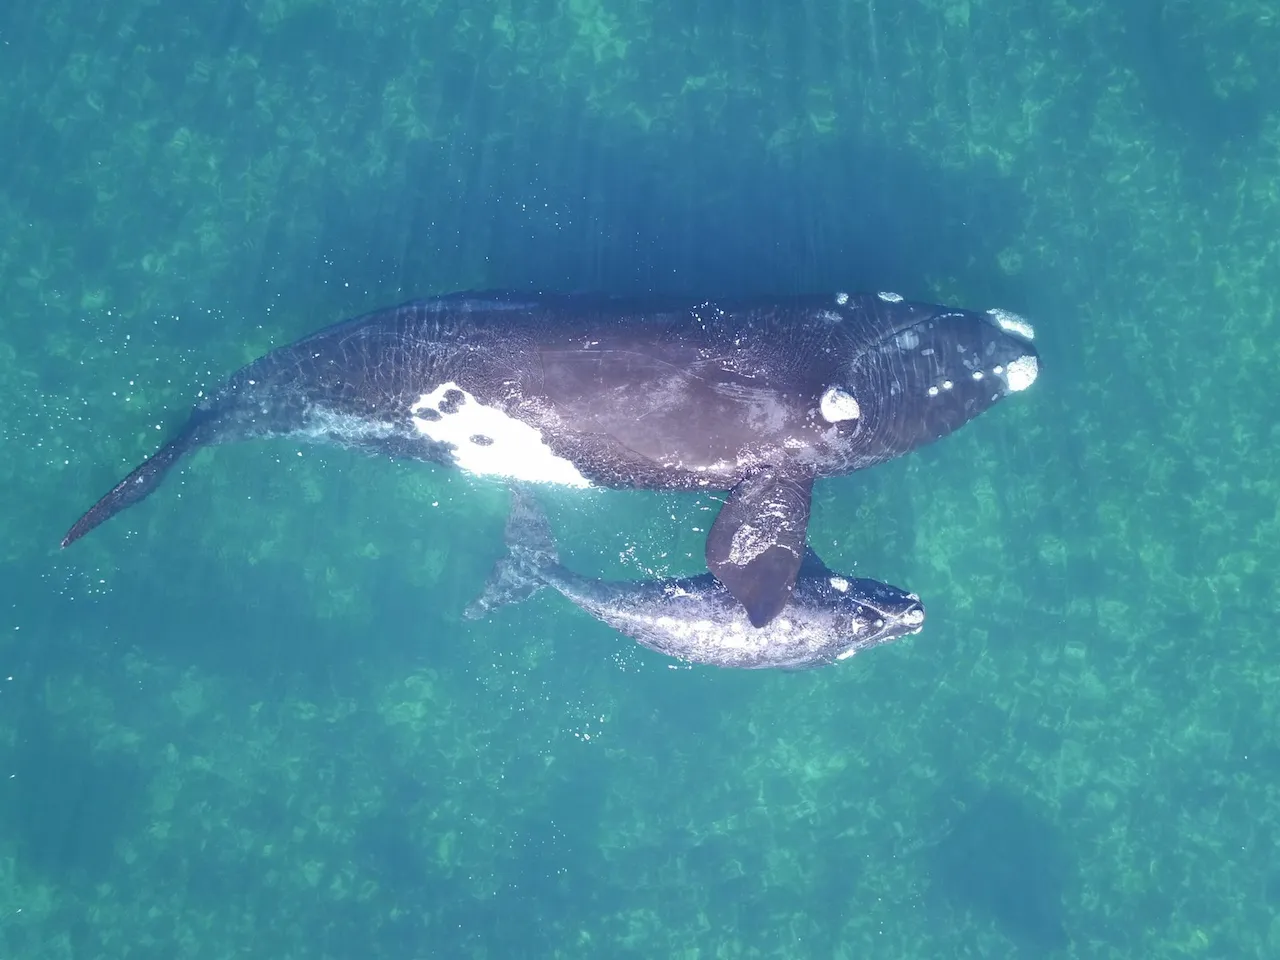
1012	323
1022	373
488	442
839	583
838	404
1017	376
889	297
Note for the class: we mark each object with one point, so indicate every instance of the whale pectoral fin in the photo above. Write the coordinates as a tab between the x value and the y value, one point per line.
757	543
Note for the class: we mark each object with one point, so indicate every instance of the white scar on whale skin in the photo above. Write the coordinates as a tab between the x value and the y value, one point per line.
516	451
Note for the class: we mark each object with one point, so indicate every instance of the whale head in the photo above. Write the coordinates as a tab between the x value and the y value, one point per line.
870	613
919	372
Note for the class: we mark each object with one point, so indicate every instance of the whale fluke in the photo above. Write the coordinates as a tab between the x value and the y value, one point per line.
136	486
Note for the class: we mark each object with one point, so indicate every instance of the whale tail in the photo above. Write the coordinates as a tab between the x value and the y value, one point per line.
530	558
138	485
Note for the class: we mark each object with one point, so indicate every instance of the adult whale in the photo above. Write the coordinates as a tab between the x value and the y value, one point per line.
756	397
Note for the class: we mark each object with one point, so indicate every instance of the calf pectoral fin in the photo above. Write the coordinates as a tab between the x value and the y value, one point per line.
757	543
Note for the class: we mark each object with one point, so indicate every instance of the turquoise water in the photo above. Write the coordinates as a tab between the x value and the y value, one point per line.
247	718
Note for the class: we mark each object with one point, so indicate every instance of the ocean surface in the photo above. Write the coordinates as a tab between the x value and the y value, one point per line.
247	719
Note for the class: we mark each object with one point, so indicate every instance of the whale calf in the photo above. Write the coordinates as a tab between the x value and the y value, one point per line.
827	618
756	397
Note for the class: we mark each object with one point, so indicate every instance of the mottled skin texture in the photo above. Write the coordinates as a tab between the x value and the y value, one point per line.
641	394
828	617
697	620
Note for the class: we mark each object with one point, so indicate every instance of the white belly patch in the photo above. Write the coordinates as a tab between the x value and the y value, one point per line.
487	442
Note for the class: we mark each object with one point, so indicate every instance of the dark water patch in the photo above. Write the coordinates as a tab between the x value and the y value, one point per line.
68	805
1165	46
1003	860
706	211
388	850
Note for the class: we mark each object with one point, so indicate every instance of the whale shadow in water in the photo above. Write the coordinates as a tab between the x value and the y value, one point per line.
1002	860
703	213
